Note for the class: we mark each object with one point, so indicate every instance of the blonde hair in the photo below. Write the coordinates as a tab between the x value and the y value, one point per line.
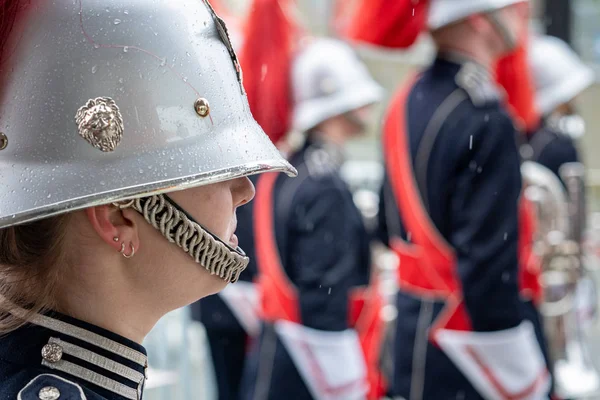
31	256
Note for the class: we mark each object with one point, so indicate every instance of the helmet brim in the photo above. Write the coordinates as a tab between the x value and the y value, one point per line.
30	193
311	113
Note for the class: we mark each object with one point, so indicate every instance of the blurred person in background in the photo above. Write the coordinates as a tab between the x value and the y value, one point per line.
451	204
560	77
121	174
311	247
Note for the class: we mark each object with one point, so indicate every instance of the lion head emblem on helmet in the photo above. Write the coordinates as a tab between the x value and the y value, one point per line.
100	123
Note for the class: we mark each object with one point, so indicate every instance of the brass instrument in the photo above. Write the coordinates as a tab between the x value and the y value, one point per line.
561	217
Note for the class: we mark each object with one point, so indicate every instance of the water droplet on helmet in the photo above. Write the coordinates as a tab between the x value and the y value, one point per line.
125	49
117	21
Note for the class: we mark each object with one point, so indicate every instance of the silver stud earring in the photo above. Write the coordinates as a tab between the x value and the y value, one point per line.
116	239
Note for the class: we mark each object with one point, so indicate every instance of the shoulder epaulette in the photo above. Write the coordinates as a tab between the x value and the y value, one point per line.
51	387
478	84
321	162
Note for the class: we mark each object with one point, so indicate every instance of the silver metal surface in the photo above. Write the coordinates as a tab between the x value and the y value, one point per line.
49	393
52	352
202	107
3	141
545	190
559	245
100	123
154	59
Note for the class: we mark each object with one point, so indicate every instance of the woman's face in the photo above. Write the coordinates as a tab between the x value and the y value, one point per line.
170	271
213	206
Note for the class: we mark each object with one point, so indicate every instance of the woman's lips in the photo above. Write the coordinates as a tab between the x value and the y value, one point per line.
233	241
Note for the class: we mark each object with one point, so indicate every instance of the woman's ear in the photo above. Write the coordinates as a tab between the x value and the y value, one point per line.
116	227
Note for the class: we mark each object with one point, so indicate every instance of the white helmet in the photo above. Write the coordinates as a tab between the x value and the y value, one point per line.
559	74
104	102
446	12
328	79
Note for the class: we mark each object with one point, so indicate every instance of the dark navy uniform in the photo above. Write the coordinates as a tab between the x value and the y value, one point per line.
228	341
60	358
324	249
462	146
551	148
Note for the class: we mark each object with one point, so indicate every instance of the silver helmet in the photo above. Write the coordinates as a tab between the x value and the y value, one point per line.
120	102
329	79
445	12
559	74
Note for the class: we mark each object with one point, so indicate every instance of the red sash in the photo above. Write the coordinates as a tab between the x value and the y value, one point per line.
428	263
529	262
279	297
365	308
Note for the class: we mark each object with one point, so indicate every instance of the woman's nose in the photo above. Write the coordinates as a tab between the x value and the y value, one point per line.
242	190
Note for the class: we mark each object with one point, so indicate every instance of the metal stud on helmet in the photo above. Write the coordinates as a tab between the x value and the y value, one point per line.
104	102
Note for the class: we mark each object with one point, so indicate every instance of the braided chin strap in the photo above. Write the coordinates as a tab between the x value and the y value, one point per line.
206	249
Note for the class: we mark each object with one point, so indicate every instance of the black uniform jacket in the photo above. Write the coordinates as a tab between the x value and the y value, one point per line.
468	176
60	358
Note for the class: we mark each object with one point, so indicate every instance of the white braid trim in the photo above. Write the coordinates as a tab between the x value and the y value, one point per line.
177	228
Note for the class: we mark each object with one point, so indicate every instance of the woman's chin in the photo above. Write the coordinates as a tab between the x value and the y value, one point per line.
216	285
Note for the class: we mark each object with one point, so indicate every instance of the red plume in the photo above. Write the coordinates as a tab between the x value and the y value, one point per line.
387	23
220	9
8	14
266	58
513	73
234	23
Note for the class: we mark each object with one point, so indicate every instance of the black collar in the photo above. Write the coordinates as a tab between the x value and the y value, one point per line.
107	363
